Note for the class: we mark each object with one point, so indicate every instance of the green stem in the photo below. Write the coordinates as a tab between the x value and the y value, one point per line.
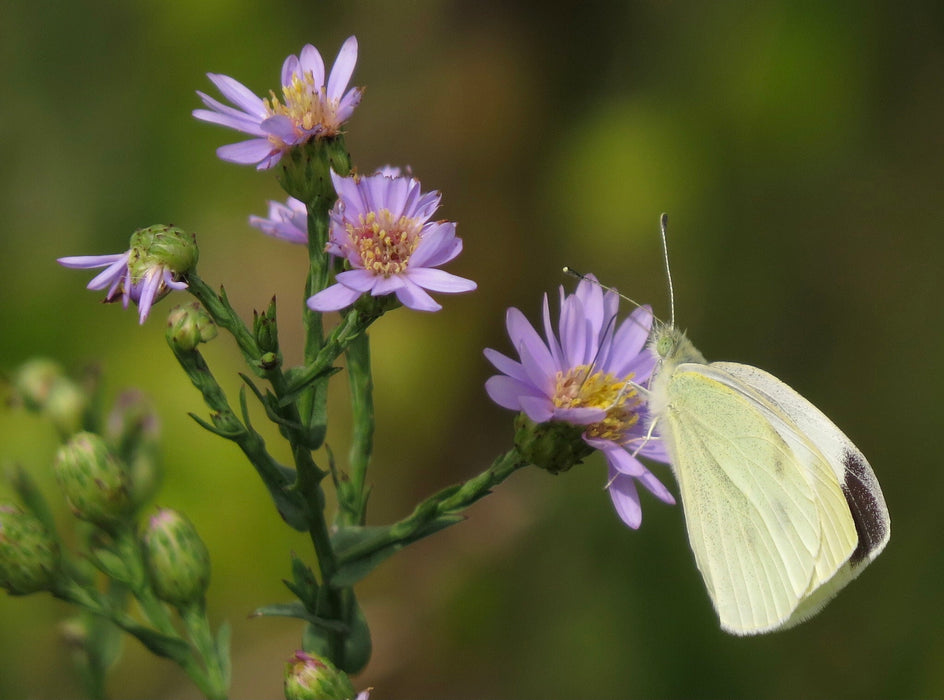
198	629
352	495
277	478
437	511
218	306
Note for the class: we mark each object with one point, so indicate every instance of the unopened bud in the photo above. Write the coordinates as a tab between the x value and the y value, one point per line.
309	677
177	561
95	482
554	446
189	325
42	385
162	246
29	556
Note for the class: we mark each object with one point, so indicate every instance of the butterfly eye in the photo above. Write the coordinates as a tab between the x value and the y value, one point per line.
664	345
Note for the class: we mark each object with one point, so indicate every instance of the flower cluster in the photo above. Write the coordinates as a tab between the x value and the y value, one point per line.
308	108
381	226
585	374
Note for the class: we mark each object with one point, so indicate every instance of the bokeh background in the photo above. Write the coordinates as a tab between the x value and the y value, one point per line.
798	149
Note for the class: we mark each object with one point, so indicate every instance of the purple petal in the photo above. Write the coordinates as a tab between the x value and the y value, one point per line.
361	280
388	285
333	298
507	392
439	280
343	69
537	408
438	245
238	94
505	364
413	297
85	262
246	152
310	61
579	416
625	499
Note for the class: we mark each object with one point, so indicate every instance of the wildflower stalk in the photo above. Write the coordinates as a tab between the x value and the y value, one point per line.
439	511
352	496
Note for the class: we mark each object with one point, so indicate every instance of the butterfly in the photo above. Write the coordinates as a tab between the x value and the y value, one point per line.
782	509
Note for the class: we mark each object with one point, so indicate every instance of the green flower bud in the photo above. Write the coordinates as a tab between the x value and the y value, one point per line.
266	330
29	556
309	677
189	325
305	171
95	482
42	385
162	246
554	446
177	561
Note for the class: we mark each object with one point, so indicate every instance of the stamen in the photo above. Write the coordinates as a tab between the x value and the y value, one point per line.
578	388
382	243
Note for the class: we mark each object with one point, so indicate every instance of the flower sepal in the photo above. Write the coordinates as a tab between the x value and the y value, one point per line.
554	446
29	554
304	172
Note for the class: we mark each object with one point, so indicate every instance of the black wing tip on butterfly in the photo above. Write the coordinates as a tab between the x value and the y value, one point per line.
868	510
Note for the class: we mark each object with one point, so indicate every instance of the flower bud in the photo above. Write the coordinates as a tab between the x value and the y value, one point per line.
162	246
176	558
42	385
309	677
95	482
188	325
29	556
305	171
554	446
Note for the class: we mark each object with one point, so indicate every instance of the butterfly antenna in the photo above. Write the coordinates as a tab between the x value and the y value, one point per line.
580	276
663	225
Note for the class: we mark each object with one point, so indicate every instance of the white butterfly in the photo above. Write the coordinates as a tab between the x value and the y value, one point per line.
782	510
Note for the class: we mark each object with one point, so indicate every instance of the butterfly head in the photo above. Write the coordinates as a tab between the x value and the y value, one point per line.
671	347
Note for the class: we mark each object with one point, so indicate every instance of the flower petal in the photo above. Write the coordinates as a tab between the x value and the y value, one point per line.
334	298
440	280
343	69
413	297
625	498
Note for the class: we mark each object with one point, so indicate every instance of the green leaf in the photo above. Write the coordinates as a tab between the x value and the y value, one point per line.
111	565
297	609
160	644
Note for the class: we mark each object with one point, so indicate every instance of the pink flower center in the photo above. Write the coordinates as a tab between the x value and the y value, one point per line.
383	243
580	387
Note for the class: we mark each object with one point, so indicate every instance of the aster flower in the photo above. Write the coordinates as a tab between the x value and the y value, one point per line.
380	225
287	221
307	109
586	378
159	256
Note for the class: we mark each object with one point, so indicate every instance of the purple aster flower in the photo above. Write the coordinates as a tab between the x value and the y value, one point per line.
308	108
587	377
159	256
381	226
287	221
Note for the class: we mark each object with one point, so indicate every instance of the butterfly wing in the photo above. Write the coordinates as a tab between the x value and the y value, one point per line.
808	430
765	512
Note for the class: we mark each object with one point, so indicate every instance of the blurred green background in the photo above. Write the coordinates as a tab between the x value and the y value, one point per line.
798	148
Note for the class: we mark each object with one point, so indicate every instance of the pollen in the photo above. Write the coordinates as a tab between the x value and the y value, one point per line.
382	242
580	387
306	105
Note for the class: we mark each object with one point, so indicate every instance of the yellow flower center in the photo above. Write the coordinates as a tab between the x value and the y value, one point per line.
580	387
384	243
305	104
